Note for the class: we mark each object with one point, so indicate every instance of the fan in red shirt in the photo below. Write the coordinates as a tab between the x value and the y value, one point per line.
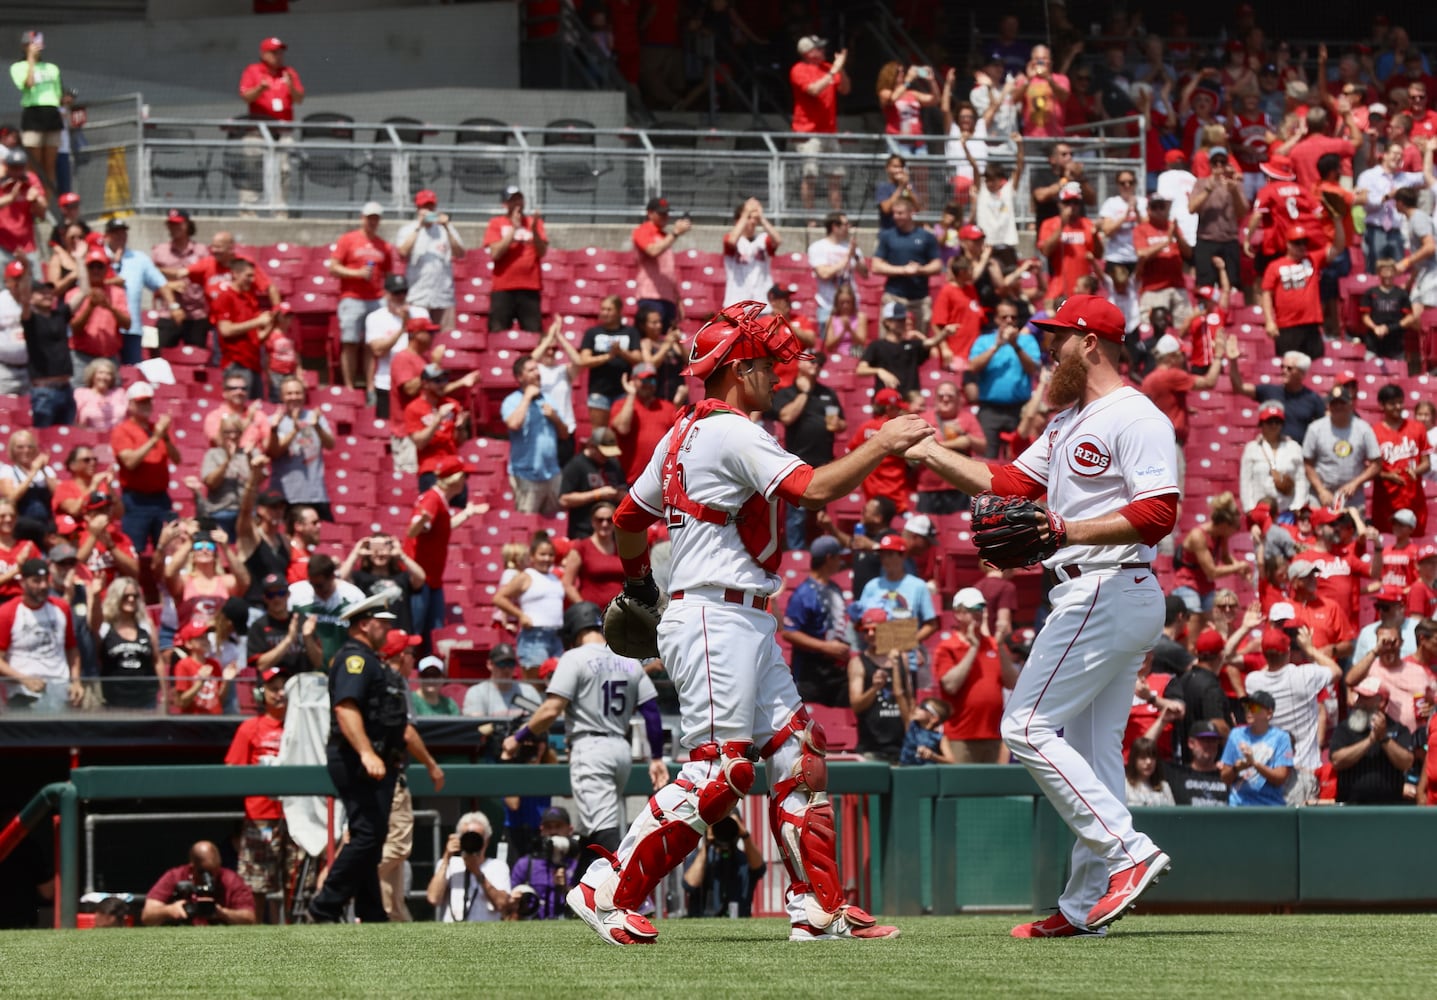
1318	143
1422	596
104	549
1291	294
200	683
1399	560
1406	460
640	420
269	87
1332	628
971	674
816	84
517	243
212	273
891	478
1162	252
1169	383
1281	205
1211	315
361	261
13	552
436	423
426	541
243	322
1071	243
256	741
1342	576
957	313
1424	119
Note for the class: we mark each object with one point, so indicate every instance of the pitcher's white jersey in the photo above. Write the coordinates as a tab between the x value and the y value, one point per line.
1097	459
603	689
723	462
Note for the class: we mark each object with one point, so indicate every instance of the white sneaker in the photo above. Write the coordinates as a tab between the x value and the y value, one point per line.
618	927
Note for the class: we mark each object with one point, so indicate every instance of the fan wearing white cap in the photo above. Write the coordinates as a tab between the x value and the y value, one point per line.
370	712
816	85
362	260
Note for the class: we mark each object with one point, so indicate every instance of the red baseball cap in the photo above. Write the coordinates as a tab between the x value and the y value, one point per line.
66	525
1207	292
970	232
97	257
1389	595
891	543
1275	640
397	642
1298	233
284	308
15	269
193	629
1088	314
873	616
887	397
1175	156
270	673
1210	643
1427	552
69	198
1270	412
1323	515
272	44
1278	167
420	324
425	197
452	465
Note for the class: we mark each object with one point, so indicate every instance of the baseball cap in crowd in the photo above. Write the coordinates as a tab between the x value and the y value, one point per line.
873	616
1389	594
97	257
887	397
426	199
396	283
272	44
63	552
1216	151
178	215
894	310
431	666
69	198
433	373
969	599
1088	314
453	465
274	585
657	205
808	43
1268	69
1271	411
1205	292
1159	200
15	269
554	814
503	655
1173	156
1275	640
421	324
1263	699
140	390
193	629
66	525
1376	110
823	547
396	642
236	609
1209	643
603	439
510	193
779	292
1370	687
270	673
1071	191
1167	344
892	543
970	232
272	498
645	370
1283	611
16	158
1404	516
1427	552
1278	167
1340	393
97	500
371	607
372	208
116	224
34	567
919	524
1321	516
1203	729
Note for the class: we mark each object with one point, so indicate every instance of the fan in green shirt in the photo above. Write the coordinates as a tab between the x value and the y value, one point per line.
41	124
429	700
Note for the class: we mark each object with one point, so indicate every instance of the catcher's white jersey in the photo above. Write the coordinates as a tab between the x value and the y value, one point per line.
603	689
1097	459
725	459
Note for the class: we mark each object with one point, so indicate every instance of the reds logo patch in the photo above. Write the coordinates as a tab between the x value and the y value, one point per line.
1088	456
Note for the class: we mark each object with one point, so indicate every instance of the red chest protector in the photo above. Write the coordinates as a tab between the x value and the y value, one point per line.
758	522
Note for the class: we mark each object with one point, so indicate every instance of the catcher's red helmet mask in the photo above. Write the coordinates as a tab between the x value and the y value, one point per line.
740	333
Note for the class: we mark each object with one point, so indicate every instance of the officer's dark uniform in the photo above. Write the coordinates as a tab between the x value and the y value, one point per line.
358	674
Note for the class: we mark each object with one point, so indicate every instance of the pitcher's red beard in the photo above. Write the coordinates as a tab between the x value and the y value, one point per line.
1068	381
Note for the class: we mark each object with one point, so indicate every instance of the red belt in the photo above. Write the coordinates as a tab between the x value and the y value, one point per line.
1073	570
740	597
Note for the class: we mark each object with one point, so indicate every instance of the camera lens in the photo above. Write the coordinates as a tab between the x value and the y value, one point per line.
471	842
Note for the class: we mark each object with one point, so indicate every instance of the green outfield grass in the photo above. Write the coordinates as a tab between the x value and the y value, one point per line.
1213	957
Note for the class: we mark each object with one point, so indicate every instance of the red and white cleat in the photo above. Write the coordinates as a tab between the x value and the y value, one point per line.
1055	926
619	927
851	924
1124	888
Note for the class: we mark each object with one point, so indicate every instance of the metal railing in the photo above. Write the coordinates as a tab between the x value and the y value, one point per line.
328	165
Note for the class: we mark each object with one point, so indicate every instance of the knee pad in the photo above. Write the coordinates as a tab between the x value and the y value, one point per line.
717	798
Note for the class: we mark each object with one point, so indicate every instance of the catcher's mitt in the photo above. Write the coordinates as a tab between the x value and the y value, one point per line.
631	626
1012	531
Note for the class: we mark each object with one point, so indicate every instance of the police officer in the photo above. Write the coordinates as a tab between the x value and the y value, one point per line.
366	743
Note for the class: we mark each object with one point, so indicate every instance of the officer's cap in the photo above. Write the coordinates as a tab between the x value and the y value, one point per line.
371	607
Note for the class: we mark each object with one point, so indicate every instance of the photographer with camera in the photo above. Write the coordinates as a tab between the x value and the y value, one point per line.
199	893
722	878
468	886
597	691
548	869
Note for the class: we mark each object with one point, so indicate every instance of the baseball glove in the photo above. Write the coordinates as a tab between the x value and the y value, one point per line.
631	624
1012	531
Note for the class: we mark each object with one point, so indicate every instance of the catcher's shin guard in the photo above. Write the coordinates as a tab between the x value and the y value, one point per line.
675	822
802	817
